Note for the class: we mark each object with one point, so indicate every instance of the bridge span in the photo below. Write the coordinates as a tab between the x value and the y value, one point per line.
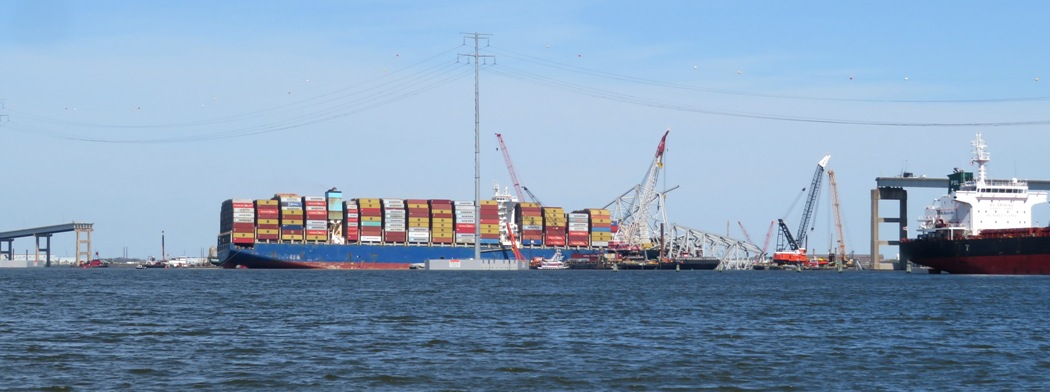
82	230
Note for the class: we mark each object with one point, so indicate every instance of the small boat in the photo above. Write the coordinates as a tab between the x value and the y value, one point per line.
140	266
554	263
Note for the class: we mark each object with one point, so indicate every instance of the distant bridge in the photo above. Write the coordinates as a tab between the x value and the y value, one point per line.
45	232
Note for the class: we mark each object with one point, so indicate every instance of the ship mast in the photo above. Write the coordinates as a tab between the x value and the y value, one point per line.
980	157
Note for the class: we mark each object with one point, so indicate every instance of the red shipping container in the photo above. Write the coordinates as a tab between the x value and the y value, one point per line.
243	226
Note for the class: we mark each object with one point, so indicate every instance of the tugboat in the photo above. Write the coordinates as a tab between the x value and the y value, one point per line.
982	226
95	263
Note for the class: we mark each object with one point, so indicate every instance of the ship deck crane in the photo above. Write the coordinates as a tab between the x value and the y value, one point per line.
532	196
797	243
510	167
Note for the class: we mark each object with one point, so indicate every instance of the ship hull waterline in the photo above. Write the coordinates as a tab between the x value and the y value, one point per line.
364	257
994	256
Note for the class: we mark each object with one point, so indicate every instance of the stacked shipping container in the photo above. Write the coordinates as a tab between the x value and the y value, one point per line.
418	221
529	218
441	225
554	225
291	216
267	220
489	221
237	221
601	226
328	219
394	221
353	230
316	218
579	231
371	220
465	222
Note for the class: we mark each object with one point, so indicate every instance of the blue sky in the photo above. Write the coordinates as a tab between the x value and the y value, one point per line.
144	117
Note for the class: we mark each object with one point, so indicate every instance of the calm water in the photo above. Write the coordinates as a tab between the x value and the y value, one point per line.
104	329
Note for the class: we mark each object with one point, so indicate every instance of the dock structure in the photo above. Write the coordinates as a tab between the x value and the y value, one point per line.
893	188
82	230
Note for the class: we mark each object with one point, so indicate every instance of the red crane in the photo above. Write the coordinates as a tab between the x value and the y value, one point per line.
510	167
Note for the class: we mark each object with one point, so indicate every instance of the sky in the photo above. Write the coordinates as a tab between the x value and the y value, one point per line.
143	117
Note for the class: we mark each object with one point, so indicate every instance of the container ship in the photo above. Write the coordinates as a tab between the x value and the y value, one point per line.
328	232
981	226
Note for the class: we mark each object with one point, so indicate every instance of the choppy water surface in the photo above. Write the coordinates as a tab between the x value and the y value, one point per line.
75	329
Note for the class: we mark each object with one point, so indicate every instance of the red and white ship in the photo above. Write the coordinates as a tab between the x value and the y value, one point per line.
982	226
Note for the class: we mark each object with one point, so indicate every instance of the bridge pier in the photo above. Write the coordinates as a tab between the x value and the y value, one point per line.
887	193
46	249
9	252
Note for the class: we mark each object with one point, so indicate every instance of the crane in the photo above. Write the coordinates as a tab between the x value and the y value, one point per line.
765	245
746	235
635	233
510	167
797	243
532	196
838	217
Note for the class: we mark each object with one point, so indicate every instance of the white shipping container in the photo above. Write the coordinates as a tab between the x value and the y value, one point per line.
466	220
531	227
418	230
315	208
242	200
236	210
243	220
313	198
395	220
371	238
463	202
600	243
244	215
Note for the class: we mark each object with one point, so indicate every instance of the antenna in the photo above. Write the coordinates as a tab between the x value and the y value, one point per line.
477	133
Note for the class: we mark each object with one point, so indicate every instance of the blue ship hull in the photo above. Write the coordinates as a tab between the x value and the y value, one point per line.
368	256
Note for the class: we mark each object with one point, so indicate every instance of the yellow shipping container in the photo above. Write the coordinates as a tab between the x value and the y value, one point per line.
267	231
316	238
531	220
243	235
291	237
437	225
266	202
600	221
436	211
267	222
371	219
489	202
291	222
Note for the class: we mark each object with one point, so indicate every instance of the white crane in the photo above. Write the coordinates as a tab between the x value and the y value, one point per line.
634	231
